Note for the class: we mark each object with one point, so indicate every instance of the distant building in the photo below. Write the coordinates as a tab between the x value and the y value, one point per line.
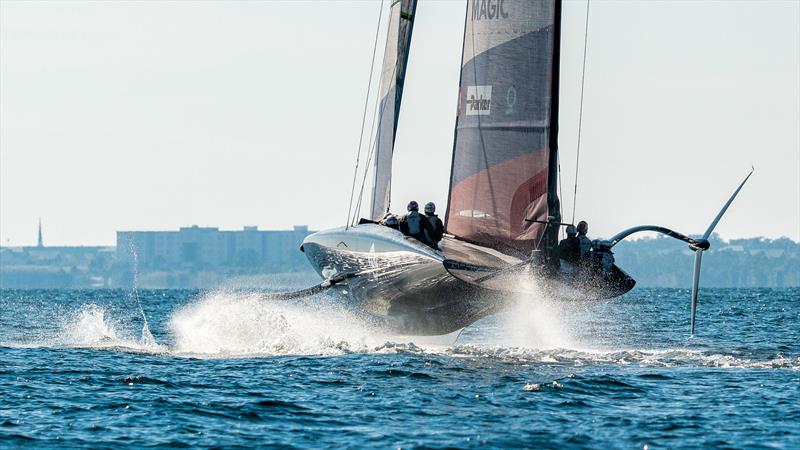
55	267
208	247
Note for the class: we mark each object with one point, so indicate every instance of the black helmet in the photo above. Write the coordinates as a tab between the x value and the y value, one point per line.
430	208
413	206
571	231
390	220
583	227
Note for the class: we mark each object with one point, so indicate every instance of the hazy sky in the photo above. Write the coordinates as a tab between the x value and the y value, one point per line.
154	115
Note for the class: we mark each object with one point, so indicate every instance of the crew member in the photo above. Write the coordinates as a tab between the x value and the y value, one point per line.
414	224
437	227
586	244
390	220
602	257
569	249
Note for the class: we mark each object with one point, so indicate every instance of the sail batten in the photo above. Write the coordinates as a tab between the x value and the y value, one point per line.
504	149
395	61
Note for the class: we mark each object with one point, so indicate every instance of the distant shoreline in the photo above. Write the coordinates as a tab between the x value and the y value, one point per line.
653	262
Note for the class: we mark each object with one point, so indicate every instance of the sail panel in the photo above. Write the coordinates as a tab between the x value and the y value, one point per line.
501	155
395	61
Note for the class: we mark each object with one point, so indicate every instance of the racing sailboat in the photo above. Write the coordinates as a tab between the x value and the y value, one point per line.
503	214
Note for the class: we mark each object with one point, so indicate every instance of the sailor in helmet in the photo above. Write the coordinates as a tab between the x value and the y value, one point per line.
437	227
390	220
586	243
602	257
414	224
569	249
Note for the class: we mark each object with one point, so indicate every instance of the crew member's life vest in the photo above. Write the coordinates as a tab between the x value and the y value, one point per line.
432	220
608	261
431	233
586	245
413	220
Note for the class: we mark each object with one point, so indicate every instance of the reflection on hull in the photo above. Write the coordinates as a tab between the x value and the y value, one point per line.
406	283
401	280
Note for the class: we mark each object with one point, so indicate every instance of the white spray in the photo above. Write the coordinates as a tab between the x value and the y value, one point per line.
537	321
147	338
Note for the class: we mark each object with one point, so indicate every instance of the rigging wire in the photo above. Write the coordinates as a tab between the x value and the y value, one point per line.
370	152
364	117
580	112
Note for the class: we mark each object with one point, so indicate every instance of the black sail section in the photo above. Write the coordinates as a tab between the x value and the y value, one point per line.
502	150
395	60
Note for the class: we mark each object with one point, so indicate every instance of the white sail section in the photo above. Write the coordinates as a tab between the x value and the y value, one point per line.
395	60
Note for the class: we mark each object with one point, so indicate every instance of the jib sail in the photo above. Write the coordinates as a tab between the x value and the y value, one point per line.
503	178
395	59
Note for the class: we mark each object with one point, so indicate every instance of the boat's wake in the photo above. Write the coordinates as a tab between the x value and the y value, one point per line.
575	358
229	325
226	324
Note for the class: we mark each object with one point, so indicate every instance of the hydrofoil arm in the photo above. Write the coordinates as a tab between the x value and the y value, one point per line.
697	245
308	292
694	244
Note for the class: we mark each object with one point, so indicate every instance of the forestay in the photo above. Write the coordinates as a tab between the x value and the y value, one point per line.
507	111
395	60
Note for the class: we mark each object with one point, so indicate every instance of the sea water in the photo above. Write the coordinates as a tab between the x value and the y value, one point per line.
88	368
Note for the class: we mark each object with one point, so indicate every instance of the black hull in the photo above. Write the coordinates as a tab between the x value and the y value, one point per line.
407	285
412	295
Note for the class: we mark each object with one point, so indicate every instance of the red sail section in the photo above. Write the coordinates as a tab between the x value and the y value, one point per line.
499	221
501	156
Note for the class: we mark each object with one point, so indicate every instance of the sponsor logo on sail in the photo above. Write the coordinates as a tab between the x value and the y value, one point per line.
475	214
511	100
479	100
488	9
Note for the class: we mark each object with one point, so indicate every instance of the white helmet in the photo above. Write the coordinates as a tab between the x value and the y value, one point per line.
430	208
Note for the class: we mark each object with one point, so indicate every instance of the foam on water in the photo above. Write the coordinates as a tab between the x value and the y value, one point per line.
676	357
224	324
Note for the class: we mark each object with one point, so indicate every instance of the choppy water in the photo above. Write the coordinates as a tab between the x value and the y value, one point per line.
78	368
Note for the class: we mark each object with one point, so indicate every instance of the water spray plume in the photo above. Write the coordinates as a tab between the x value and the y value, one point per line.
536	321
230	323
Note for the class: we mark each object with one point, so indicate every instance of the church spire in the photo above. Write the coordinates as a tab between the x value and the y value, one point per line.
39	242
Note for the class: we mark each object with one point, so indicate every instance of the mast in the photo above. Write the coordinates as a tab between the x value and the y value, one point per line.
553	203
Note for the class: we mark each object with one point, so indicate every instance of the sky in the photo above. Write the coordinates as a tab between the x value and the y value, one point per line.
154	115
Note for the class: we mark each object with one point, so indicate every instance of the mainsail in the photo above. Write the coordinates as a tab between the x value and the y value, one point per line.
395	59
503	178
